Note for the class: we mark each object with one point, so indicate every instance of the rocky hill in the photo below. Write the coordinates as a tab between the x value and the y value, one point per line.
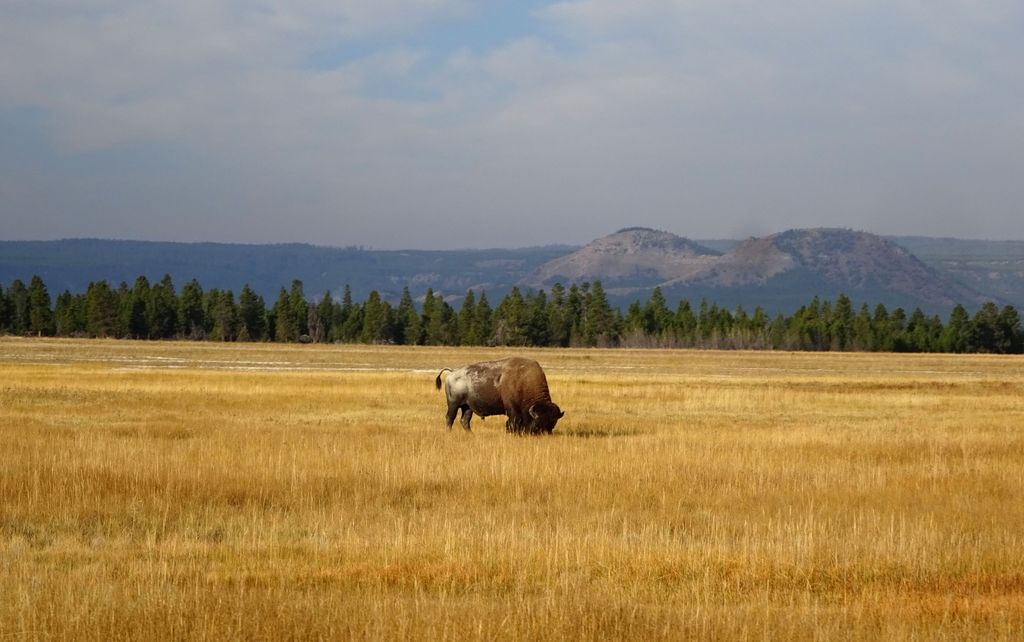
632	257
776	272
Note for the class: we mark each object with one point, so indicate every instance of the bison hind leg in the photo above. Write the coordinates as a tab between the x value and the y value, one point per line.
449	417
467	416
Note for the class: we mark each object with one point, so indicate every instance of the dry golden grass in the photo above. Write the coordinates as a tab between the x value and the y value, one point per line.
202	491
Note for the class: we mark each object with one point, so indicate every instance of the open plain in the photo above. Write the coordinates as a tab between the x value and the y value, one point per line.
205	491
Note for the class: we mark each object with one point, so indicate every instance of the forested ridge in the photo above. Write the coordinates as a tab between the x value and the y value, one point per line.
579	315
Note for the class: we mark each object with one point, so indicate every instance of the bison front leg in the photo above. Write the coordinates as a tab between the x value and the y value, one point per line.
514	423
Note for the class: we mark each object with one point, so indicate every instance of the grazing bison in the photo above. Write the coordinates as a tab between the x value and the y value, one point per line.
514	387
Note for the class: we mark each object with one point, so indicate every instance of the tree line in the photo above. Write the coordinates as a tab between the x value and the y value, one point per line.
579	315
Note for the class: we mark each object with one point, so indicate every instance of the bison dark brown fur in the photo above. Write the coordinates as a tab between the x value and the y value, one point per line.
515	387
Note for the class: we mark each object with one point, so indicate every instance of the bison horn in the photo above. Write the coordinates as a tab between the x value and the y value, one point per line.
533	411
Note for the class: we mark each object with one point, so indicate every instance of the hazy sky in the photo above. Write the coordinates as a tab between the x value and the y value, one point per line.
451	123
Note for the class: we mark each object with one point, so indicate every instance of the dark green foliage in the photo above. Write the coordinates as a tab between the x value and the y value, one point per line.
956	337
191	314
350	319
378	323
578	316
483	326
163	310
221	315
69	315
40	317
17	294
440	326
321	318
6	311
100	310
599	322
290	314
252	321
408	329
1011	331
559	319
134	310
468	335
510	321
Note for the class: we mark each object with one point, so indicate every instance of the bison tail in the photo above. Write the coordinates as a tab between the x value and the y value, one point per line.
437	382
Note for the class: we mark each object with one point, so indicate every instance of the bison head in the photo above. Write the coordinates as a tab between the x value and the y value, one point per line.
545	416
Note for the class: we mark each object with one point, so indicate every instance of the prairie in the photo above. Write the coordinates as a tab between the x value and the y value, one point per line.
153	490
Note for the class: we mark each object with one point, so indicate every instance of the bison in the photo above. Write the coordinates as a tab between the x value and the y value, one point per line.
515	387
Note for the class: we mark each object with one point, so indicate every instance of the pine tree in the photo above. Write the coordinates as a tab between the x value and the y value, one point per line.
353	326
812	325
841	325
467	313
510	320
559	323
322	322
483	320
101	310
657	317
136	317
897	326
635	325
407	320
251	315
779	333
956	337
377	320
884	336
862	330
705	323
599	322
574	314
686	323
1010	330
759	324
350	321
537	319
298	312
17	294
40	317
6	311
283	330
440	326
222	315
190	314
163	310
985	331
917	335
737	329
69	314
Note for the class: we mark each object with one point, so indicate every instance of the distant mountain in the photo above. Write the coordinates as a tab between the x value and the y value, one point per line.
635	256
993	267
777	272
71	264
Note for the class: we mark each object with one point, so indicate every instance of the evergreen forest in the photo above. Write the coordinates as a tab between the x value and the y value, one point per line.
579	315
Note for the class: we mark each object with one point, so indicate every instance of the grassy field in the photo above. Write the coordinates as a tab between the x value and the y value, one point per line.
259	492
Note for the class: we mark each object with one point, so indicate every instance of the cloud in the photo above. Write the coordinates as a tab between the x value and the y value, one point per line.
695	116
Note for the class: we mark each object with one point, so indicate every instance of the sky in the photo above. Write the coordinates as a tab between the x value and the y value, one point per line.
439	124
